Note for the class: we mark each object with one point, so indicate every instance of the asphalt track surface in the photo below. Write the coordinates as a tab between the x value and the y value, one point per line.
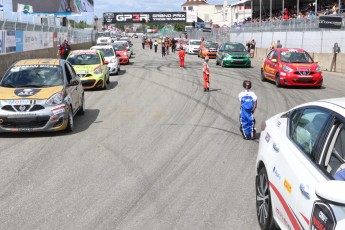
152	152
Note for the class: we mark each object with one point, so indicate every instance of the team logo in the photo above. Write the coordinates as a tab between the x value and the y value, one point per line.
26	92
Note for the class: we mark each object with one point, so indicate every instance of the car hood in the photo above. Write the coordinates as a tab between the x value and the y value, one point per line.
82	69
237	54
28	93
302	67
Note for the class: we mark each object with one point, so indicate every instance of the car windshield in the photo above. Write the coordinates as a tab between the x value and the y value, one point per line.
237	47
295	57
33	76
107	52
196	43
211	45
122	43
84	59
119	47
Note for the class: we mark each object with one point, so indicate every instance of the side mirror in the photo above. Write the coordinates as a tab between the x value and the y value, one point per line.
106	62
274	60
73	82
118	55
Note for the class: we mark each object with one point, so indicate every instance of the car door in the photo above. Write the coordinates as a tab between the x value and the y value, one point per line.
268	66
73	89
308	129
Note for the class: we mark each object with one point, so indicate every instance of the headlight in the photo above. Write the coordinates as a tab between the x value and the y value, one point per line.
125	53
287	69
56	99
248	55
112	60
318	69
227	56
97	70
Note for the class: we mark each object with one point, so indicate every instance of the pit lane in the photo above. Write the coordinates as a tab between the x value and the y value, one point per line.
152	152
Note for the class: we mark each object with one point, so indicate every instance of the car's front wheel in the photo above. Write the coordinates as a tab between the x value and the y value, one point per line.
262	75
70	122
278	84
222	63
263	201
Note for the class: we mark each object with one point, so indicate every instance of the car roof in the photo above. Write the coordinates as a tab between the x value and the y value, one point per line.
102	47
290	49
38	61
336	101
84	52
335	104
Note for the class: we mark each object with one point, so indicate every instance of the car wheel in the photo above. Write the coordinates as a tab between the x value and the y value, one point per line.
81	110
69	127
108	80
217	63
262	75
278	84
222	64
263	201
105	85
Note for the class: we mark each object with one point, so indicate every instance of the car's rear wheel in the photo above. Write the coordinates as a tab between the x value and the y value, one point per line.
263	201
278	84
262	75
70	122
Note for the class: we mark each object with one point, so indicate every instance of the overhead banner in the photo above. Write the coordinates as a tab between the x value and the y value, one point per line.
165	17
53	6
330	22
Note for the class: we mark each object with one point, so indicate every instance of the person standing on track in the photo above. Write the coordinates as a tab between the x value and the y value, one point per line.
181	55
206	74
155	44
248	101
163	49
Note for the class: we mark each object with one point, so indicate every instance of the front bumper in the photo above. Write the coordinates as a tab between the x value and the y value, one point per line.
193	51
293	79
123	60
113	67
93	81
237	62
47	118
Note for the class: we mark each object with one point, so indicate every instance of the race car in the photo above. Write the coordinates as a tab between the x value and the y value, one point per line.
209	49
300	168
91	67
232	54
121	50
40	95
291	67
110	56
193	46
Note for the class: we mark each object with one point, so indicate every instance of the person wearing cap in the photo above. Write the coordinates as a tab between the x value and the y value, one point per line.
181	55
248	101
206	75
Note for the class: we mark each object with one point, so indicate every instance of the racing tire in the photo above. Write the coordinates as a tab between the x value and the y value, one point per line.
262	77
263	201
222	64
70	122
105	85
108	80
217	63
278	84
118	71
81	110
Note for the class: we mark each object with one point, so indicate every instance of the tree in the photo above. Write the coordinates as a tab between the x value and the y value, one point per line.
179	26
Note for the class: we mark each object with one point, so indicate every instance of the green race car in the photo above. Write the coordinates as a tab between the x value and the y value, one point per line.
232	54
91	68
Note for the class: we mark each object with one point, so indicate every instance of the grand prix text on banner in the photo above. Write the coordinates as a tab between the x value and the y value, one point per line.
111	18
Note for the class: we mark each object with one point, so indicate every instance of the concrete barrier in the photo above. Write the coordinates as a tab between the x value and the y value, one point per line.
7	60
324	59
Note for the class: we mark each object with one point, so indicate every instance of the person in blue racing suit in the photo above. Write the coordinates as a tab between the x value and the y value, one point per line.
248	101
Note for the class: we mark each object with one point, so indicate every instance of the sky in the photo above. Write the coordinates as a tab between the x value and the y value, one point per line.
101	6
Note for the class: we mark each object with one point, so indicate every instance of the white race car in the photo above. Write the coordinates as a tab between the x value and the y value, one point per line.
300	182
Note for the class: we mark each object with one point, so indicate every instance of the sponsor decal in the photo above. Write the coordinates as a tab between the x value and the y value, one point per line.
58	110
322	217
267	137
278	124
275	171
137	17
287	186
282	74
26	92
21	102
283	219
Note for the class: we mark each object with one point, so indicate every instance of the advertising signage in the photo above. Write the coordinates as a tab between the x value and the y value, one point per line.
130	17
330	22
53	6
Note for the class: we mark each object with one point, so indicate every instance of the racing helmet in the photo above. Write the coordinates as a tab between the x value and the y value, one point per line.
247	84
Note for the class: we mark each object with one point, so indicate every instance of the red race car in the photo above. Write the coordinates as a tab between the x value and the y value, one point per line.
291	67
121	52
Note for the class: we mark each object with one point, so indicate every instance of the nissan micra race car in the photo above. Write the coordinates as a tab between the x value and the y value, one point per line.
40	95
300	182
291	67
91	68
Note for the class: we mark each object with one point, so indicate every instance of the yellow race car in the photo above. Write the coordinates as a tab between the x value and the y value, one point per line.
91	67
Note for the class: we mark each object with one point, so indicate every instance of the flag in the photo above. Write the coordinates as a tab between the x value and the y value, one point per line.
24	8
1	7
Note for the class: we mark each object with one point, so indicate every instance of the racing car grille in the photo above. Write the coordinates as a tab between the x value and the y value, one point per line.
30	122
84	75
22	108
304	73
88	83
